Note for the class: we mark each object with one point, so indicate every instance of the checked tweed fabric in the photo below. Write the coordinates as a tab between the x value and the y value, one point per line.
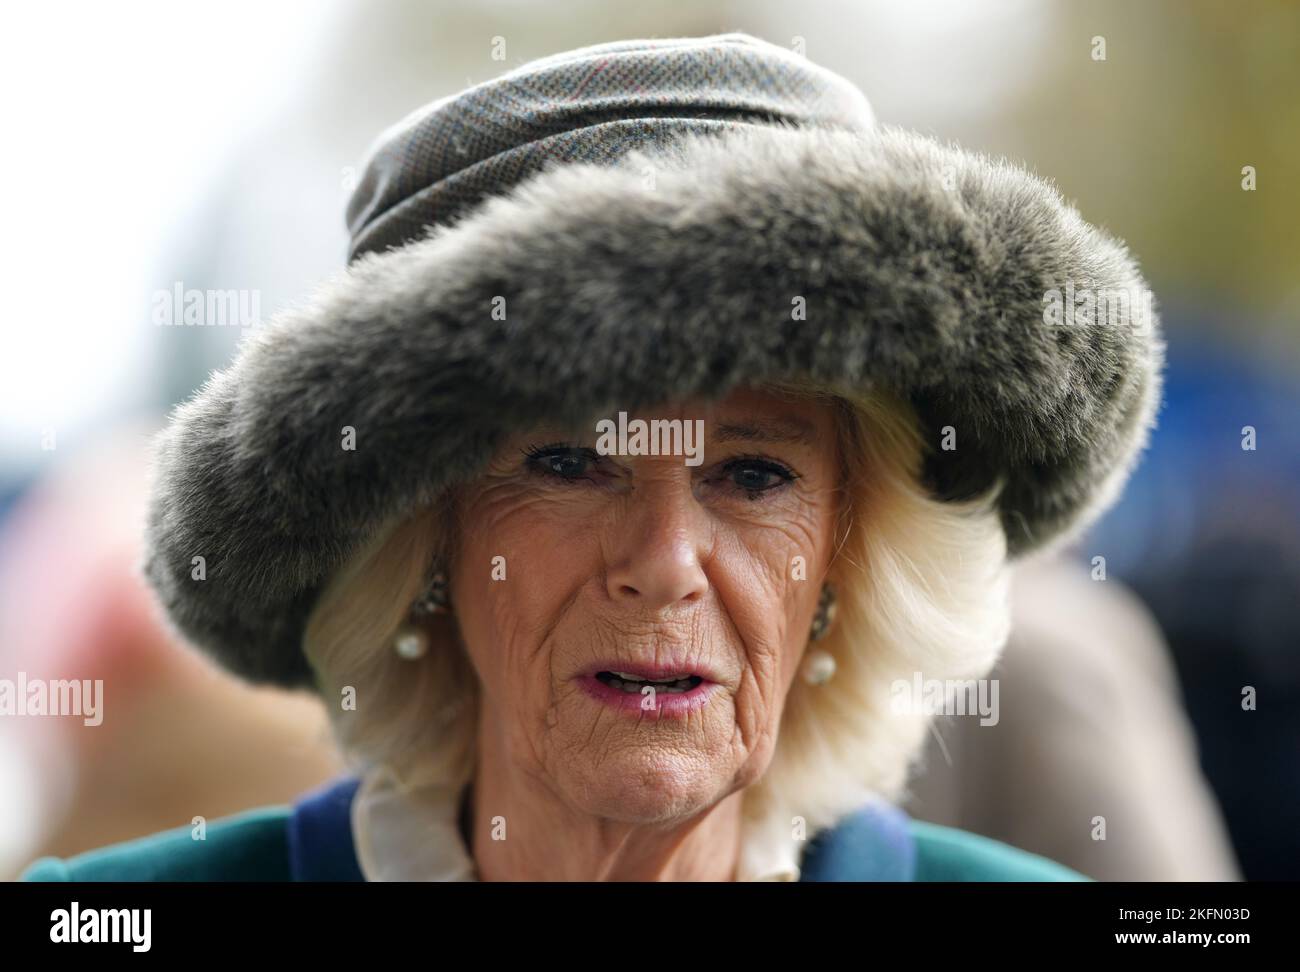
591	105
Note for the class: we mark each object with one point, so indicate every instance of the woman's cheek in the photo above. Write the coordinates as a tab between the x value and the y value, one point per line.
770	584
522	559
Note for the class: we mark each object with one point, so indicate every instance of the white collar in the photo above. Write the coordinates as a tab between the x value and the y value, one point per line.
412	834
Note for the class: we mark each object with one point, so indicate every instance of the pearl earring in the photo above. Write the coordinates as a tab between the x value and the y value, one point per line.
818	665
411	642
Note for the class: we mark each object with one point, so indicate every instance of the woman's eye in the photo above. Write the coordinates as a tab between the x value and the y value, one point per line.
752	476
562	462
755	477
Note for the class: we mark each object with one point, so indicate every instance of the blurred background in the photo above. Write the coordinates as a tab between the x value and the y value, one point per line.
161	147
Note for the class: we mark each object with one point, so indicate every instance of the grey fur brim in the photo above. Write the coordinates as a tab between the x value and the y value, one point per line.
923	267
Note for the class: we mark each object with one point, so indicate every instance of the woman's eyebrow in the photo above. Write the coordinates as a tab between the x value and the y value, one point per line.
553	432
766	430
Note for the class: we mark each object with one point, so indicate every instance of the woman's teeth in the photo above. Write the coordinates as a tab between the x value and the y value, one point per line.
633	684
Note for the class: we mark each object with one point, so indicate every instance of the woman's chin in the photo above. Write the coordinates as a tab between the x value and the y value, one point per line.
653	785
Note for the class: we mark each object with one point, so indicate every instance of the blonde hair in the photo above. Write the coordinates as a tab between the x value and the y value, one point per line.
921	586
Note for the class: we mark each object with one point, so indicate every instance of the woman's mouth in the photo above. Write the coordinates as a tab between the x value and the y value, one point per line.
634	684
648	693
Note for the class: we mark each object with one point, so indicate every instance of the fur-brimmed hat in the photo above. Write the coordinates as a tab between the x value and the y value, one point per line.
647	213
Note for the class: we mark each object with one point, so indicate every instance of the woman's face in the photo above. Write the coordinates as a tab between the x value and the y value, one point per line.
696	573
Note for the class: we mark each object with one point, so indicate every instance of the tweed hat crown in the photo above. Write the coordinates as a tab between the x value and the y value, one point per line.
647	212
594	105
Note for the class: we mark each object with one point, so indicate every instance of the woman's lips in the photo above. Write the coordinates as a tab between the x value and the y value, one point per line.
646	690
653	671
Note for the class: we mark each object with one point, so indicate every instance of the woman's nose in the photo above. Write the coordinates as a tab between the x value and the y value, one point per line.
658	550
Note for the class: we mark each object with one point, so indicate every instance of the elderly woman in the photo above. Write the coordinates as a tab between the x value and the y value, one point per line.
671	423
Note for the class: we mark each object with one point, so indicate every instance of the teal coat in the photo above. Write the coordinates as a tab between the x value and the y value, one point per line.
311	840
